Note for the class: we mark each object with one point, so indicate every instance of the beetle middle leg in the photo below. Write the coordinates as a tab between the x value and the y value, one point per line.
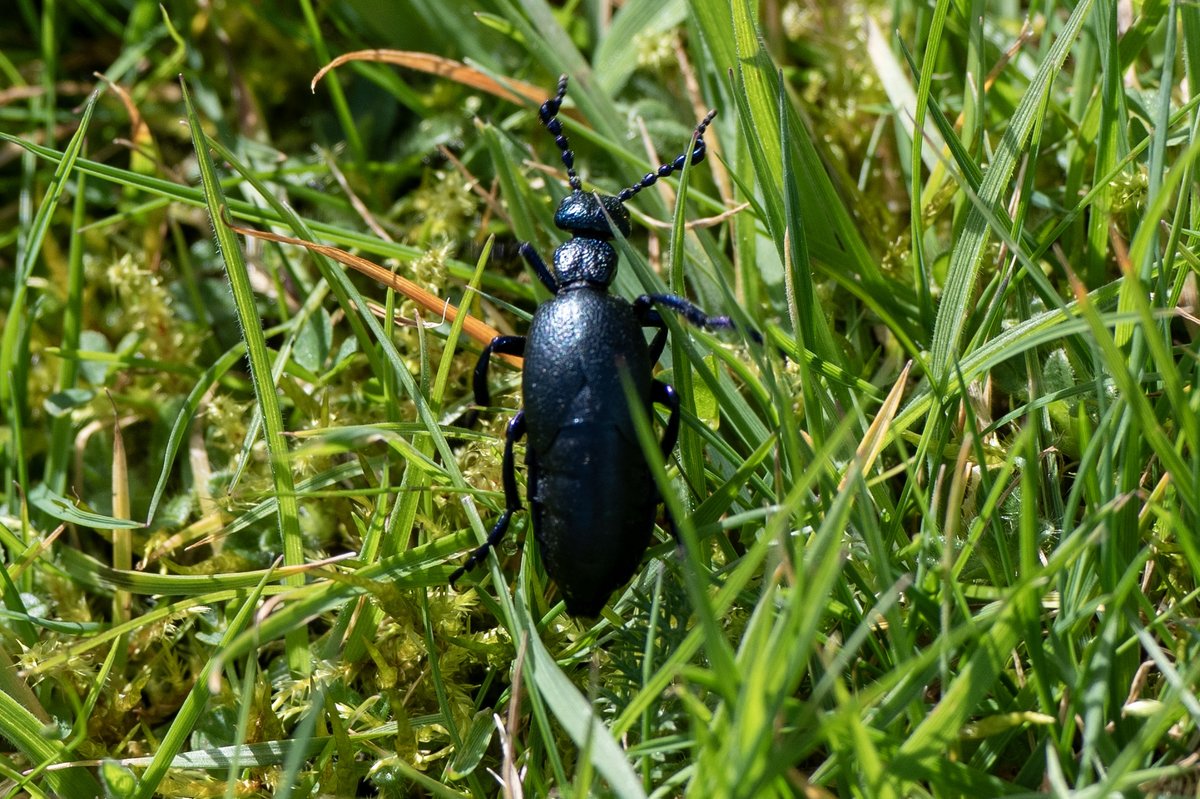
512	500
643	306
505	345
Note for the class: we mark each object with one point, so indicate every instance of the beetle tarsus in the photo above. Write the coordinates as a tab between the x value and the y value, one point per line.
477	555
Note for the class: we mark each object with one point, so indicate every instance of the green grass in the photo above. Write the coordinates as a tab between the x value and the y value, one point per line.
939	534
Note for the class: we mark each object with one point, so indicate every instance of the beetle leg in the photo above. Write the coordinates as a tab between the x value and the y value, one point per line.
664	394
539	267
648	317
512	500
658	344
643	306
505	345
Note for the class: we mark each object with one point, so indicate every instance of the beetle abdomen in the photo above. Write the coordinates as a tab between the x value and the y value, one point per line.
591	493
593	503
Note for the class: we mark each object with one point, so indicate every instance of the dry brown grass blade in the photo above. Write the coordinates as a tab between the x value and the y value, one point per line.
477	329
514	91
876	437
122	540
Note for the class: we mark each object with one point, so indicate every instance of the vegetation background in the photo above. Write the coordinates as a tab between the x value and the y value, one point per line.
940	534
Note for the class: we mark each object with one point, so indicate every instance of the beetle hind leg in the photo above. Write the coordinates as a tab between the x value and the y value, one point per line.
512	499
664	394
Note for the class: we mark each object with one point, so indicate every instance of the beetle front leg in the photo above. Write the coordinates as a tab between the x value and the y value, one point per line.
505	345
539	267
512	500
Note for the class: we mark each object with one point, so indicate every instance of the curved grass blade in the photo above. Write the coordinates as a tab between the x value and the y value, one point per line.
260	372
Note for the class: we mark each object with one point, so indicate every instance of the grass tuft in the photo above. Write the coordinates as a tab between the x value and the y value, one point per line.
938	531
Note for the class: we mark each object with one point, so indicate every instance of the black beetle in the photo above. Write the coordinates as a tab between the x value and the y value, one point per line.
593	497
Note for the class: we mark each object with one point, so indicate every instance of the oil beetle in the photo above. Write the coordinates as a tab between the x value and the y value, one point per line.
592	495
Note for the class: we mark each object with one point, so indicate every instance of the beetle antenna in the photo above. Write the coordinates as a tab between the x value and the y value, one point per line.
666	169
549	117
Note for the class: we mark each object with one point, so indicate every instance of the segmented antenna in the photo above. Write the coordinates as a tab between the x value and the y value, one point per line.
666	169
549	117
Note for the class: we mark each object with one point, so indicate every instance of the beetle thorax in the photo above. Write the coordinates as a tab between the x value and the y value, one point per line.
583	261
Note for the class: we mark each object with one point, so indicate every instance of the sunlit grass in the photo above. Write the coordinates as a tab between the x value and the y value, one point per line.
939	530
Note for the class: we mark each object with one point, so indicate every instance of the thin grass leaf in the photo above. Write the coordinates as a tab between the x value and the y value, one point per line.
32	248
260	370
967	255
28	734
193	707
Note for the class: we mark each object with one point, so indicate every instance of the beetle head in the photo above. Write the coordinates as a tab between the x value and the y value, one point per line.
583	214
